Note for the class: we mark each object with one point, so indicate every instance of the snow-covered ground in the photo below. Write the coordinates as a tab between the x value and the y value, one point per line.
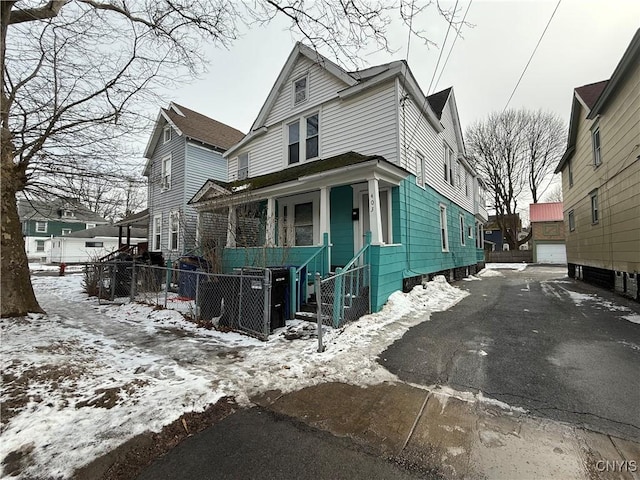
506	266
86	377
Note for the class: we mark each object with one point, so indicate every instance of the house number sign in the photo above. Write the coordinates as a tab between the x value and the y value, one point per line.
372	202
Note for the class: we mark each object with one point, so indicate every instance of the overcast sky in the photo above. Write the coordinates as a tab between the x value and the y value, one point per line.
582	45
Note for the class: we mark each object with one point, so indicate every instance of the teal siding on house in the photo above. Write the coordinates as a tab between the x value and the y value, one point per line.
53	228
341	225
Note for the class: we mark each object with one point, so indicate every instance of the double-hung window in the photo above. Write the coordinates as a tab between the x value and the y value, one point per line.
166	173
41	227
448	164
166	134
303	139
595	140
462	230
303	224
39	245
570	173
243	166
300	90
572	221
174	230
420	174
444	236
594	206
157	232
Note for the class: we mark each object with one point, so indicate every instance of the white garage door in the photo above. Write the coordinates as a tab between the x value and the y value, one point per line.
552	253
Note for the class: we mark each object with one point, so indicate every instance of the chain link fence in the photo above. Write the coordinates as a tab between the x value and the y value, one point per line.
344	297
238	301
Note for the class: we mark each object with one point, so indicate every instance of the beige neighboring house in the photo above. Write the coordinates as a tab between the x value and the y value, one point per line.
601	178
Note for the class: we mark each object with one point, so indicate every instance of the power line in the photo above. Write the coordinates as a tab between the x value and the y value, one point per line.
531	57
452	45
442	49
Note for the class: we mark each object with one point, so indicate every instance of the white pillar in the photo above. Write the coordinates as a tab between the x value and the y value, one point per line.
270	227
231	227
375	217
325	212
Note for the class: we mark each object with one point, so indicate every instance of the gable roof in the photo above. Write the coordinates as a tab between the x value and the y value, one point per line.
438	101
51	210
546	212
594	96
192	125
354	81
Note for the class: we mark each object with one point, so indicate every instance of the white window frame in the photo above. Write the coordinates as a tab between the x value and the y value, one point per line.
462	230
570	172
444	231
243	170
459	174
165	177
44	226
66	231
40	245
90	225
174	230
307	137
572	220
596	143
166	134
303	137
595	214
286	223
93	244
420	170
68	214
448	164
306	90
156	240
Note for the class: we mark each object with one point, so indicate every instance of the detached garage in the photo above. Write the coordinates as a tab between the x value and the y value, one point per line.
548	236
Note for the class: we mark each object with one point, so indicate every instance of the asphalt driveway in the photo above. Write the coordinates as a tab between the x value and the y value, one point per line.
534	339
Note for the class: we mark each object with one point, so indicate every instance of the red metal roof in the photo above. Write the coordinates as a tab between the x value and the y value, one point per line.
545	212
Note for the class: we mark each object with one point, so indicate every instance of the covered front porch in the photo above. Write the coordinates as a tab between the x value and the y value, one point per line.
316	219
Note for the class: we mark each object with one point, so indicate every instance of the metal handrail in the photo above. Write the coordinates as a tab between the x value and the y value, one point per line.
295	285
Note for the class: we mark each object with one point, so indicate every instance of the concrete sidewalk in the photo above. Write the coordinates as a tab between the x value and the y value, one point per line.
453	435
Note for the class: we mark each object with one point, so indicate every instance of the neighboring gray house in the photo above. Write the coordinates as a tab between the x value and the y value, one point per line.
185	149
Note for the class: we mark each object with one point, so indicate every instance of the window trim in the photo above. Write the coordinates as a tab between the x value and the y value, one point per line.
93	244
38	223
175	214
421	180
304	77
571	220
570	172
165	179
40	245
301	121
245	169
157	221
167	134
448	164
595	214
444	230
66	231
597	152
307	137
462	228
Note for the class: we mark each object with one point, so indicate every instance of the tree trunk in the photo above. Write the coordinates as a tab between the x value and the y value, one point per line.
18	298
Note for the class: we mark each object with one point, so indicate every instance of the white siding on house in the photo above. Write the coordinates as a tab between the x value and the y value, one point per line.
322	86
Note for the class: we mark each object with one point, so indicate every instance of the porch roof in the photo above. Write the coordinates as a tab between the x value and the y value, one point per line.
286	175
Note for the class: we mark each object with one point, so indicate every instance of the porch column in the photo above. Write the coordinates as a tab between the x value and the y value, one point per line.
325	211
231	227
375	217
270	227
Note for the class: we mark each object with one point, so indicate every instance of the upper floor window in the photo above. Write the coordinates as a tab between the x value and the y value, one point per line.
41	227
243	166
66	231
420	174
594	206
300	90
459	174
166	173
68	213
462	236
467	190
166	133
307	128
448	164
572	221
570	173
595	140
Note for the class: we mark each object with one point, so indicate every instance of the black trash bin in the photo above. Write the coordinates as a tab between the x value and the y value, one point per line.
279	307
121	272
210	299
188	278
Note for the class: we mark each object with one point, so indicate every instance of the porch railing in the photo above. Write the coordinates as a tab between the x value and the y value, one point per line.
296	273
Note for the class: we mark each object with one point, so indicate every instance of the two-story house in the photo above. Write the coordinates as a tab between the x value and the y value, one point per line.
340	160
601	178
184	150
42	220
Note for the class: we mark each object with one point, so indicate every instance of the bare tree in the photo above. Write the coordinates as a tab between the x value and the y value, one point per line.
515	152
555	195
78	77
